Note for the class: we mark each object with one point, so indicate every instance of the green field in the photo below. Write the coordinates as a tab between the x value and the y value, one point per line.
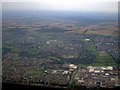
103	59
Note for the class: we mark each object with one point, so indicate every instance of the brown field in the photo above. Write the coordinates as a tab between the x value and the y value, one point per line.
105	28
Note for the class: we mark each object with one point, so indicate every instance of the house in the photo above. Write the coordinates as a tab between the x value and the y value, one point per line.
96	71
80	81
65	72
107	68
47	42
73	66
106	74
91	70
87	39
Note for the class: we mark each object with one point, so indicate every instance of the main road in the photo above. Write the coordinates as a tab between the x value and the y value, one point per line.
72	76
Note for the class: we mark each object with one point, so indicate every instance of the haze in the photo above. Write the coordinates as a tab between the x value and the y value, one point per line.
63	5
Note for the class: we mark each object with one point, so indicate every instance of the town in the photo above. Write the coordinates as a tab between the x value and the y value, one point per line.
69	76
55	51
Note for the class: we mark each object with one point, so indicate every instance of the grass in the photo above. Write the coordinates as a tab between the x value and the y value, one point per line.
103	59
36	72
90	45
12	40
11	67
16	58
74	57
54	58
14	49
33	51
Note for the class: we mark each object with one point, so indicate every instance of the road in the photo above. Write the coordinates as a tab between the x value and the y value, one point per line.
73	74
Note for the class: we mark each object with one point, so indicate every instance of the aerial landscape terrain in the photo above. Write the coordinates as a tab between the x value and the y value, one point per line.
60	49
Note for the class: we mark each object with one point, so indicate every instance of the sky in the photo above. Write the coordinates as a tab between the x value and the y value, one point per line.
65	5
